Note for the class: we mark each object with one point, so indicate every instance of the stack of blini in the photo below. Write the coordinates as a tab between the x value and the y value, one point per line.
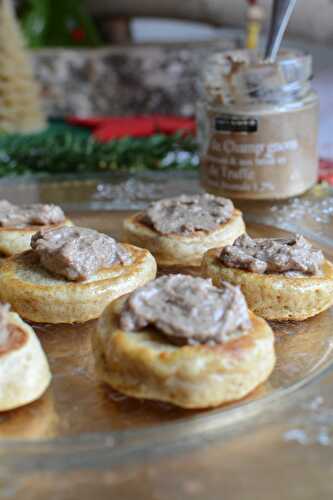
197	336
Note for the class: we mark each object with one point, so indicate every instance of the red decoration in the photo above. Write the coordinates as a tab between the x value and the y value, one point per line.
118	128
78	34
108	128
172	124
326	171
90	122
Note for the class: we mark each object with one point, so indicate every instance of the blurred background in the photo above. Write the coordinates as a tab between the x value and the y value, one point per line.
116	58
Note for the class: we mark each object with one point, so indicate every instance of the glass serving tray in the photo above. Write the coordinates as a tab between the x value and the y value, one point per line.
79	421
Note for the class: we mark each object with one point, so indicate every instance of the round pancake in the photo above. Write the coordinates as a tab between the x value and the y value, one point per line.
42	297
24	370
178	251
274	296
15	240
145	365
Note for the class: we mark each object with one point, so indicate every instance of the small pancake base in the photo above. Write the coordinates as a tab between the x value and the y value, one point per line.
274	296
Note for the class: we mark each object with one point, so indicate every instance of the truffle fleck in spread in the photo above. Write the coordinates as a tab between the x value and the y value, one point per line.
292	257
14	216
187	214
188	310
77	253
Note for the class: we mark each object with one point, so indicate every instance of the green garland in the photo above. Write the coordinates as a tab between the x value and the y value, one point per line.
65	150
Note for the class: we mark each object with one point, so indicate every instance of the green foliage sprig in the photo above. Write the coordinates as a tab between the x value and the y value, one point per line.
69	152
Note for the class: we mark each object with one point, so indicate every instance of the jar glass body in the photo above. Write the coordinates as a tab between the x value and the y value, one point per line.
258	127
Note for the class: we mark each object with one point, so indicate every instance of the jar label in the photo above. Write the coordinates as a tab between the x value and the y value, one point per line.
272	154
231	123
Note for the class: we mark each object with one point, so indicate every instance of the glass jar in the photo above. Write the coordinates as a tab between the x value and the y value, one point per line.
258	125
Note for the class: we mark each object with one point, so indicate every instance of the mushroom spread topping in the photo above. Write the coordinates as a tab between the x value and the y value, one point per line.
187	310
29	215
77	253
186	214
4	333
293	256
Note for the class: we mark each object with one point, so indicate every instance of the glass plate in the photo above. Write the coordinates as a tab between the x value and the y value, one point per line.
79	420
